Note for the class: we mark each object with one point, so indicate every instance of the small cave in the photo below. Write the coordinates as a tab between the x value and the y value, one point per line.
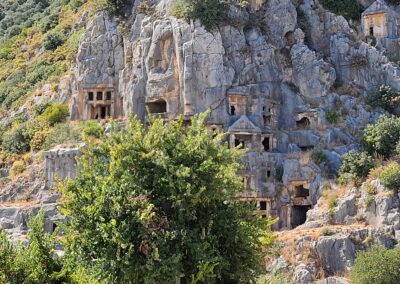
299	215
303	123
159	106
301	191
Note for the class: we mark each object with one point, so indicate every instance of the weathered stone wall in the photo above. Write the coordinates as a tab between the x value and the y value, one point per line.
60	164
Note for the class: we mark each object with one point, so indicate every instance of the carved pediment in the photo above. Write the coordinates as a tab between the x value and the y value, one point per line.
244	125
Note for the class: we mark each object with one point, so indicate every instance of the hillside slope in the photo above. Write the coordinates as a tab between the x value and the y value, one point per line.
291	81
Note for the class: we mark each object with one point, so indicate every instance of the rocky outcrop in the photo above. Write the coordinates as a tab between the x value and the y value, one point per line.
337	253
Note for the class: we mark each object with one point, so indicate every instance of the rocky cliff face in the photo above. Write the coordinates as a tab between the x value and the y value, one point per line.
286	79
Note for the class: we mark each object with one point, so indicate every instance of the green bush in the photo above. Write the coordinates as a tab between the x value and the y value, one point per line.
331	116
390	176
355	165
40	108
381	138
52	41
17	168
377	265
116	7
384	98
61	134
34	262
211	13
56	113
319	157
15	141
92	129
350	9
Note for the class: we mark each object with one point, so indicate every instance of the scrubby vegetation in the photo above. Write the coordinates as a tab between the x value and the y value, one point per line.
377	265
355	165
211	13
38	42
319	157
116	7
349	9
382	138
390	176
385	98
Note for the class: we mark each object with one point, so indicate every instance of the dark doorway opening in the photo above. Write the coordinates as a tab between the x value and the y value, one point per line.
99	96
263	205
299	215
91	96
103	112
157	106
239	143
303	123
301	191
232	110
266	144
371	31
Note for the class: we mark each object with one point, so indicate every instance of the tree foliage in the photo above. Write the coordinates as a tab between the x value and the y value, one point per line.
34	263
381	138
211	13
355	165
377	265
390	176
350	9
156	205
385	98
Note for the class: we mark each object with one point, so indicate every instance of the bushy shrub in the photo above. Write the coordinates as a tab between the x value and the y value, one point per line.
384	98
17	168
40	72
56	113
390	176
116	7
349	9
39	139
40	108
331	116
355	165
377	265
35	262
319	157
211	13
52	41
61	134
92	129
381	138
15	141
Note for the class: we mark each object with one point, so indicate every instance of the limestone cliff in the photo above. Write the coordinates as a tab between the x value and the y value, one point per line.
273	77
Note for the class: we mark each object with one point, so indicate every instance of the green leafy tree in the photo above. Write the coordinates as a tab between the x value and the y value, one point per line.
34	263
377	265
381	138
385	98
390	176
355	165
350	9
157	205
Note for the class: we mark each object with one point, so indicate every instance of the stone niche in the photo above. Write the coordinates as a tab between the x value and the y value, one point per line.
306	120
237	103
379	21
99	102
300	202
270	114
60	164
